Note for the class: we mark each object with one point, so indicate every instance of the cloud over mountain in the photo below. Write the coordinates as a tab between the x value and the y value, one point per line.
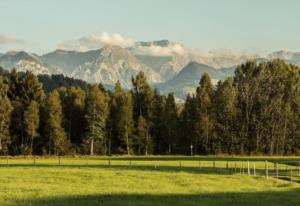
158	50
96	41
5	39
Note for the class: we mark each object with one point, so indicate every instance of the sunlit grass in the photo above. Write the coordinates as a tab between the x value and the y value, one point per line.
137	181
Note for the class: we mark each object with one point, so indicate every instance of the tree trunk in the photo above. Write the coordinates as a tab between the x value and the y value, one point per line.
92	147
147	140
31	146
127	144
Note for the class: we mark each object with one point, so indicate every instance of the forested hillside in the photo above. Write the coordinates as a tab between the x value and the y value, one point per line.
254	112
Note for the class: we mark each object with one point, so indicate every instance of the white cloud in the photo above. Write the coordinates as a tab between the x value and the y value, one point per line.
156	50
97	41
4	39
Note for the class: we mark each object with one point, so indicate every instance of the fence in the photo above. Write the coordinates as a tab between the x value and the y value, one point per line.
277	170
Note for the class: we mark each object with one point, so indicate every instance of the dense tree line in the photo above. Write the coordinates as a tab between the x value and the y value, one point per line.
255	112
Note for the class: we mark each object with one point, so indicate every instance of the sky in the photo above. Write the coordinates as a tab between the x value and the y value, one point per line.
257	26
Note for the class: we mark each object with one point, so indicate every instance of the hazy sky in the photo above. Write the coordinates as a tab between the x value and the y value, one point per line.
240	25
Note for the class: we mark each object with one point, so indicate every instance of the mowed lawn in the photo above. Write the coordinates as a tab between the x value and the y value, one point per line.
152	181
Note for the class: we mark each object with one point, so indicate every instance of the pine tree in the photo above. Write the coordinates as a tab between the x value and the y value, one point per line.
158	123
23	88
126	123
73	100
225	107
171	123
204	122
57	138
5	110
31	89
142	139
96	111
188	133
143	104
32	122
121	119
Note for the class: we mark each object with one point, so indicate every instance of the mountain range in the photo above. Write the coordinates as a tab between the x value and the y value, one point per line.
169	66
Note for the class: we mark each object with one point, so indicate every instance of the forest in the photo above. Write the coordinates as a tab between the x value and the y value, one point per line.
257	111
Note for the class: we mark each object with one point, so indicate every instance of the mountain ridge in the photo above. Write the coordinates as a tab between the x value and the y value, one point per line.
162	61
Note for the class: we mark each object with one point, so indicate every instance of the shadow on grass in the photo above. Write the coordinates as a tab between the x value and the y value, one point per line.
284	198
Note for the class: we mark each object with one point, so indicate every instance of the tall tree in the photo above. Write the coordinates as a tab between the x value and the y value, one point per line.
121	116
158	123
57	138
23	88
142	139
32	122
96	110
225	107
204	122
188	134
171	123
143	103
73	100
5	110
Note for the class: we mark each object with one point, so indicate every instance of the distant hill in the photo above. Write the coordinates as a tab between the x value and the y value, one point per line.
188	79
53	82
23	61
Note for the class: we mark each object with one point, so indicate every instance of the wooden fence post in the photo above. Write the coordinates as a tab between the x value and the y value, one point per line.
180	164
109	163
235	167
254	169
267	169
243	168
240	170
277	174
291	176
248	164
58	160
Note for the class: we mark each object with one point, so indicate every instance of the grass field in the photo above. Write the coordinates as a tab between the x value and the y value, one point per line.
157	180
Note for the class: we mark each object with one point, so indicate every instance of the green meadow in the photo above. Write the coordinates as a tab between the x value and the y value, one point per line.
154	180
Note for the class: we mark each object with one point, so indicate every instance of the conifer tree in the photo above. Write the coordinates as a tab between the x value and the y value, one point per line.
158	129
204	121
57	138
96	111
73	100
171	123
142	139
5	110
122	118
32	122
188	134
225	107
143	104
